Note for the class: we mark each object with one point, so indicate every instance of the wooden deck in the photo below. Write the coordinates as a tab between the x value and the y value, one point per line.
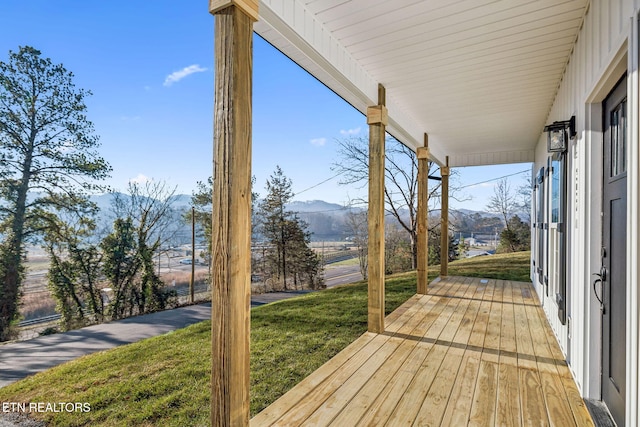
471	352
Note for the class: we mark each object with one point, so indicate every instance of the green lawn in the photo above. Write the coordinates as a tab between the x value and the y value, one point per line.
346	262
164	381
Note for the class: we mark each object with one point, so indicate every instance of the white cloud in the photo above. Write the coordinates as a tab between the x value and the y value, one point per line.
140	179
353	131
176	76
318	142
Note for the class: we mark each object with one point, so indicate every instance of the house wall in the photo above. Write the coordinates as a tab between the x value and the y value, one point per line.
605	50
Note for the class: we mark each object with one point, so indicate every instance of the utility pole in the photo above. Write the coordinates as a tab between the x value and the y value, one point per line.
193	253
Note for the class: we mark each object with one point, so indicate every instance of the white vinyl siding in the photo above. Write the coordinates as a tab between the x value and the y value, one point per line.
598	60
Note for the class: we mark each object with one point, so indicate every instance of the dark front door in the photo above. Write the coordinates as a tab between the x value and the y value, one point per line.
614	253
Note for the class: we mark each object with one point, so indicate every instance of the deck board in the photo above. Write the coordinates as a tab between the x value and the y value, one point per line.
384	404
483	409
470	352
435	404
508	404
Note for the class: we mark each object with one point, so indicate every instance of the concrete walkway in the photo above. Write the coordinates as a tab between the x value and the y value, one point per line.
21	359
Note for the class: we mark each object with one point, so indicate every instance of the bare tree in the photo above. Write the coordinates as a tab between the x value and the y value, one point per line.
524	191
356	221
504	203
150	207
145	216
397	250
401	180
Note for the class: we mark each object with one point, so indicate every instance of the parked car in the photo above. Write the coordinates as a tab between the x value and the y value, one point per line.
186	261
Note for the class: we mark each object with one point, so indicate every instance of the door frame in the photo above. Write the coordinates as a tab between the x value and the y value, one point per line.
592	343
625	60
617	96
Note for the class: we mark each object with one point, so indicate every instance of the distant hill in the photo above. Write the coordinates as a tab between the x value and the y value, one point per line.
104	201
319	206
483	214
326	221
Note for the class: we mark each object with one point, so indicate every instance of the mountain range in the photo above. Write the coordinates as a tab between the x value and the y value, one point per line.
325	220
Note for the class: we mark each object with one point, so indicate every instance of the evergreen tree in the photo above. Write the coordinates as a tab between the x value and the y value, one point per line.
435	243
303	261
47	150
515	237
289	254
274	219
202	200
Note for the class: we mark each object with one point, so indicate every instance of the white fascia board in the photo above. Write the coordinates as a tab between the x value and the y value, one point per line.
296	32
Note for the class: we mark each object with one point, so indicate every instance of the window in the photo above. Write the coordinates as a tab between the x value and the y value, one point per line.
556	189
619	140
557	232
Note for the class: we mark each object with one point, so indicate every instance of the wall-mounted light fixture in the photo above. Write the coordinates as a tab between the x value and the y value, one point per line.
558	134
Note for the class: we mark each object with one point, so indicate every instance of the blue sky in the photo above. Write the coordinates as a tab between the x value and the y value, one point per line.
150	68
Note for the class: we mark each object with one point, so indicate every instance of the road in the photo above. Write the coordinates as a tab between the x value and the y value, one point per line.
339	275
334	275
25	358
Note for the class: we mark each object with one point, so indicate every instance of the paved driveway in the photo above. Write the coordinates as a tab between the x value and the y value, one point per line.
20	359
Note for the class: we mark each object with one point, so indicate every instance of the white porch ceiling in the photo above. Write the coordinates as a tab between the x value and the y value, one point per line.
479	76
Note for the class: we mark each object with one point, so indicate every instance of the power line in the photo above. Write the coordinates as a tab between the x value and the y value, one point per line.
494	179
318	184
392	193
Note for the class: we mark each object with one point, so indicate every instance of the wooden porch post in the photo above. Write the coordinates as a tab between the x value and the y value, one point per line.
231	232
423	213
377	120
444	227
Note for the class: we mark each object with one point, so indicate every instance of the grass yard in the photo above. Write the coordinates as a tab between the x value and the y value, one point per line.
350	261
504	267
165	380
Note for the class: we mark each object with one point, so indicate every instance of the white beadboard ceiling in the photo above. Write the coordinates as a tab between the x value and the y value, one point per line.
479	76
